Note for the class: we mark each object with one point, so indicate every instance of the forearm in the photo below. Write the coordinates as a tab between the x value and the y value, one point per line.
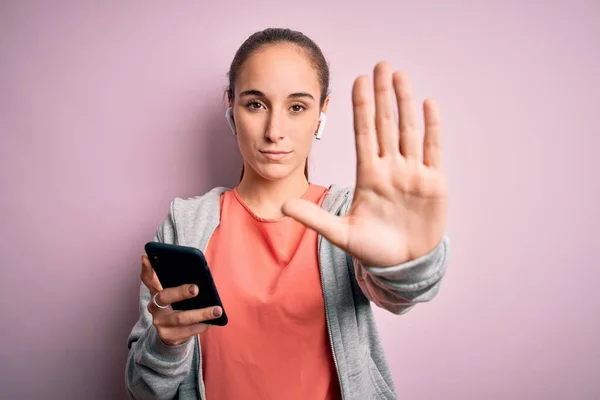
399	288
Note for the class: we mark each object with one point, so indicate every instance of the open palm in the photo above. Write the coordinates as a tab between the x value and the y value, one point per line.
398	212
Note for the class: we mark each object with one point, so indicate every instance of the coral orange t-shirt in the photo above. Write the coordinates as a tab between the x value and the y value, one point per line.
276	344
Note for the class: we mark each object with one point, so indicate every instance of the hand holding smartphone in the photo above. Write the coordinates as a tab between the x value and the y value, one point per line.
187	301
177	265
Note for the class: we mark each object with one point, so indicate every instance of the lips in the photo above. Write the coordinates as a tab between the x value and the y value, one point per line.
274	151
274	154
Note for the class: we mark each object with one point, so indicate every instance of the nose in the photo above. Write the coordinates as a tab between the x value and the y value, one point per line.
274	130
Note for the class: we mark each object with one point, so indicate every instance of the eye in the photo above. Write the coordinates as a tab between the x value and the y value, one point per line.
254	105
297	108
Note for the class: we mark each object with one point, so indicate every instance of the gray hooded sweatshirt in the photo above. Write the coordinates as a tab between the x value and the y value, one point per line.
155	370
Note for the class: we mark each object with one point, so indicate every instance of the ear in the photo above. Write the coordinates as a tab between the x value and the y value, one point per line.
325	105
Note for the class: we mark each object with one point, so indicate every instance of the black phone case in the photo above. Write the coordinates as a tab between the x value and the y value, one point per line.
176	265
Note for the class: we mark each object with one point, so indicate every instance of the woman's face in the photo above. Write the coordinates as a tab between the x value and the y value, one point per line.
276	110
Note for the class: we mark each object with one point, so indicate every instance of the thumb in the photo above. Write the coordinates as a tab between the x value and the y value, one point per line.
149	277
333	228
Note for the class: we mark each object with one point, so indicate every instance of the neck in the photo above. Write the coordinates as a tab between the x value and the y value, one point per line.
265	197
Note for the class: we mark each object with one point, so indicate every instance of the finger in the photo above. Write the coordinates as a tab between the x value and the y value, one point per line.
149	277
172	295
387	130
191	317
432	142
332	227
410	143
364	125
181	334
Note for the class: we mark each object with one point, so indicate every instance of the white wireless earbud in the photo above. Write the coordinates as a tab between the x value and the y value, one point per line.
322	121
229	118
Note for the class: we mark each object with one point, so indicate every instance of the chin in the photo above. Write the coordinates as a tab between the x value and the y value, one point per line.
274	172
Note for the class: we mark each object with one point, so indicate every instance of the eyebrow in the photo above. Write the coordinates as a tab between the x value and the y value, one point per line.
253	92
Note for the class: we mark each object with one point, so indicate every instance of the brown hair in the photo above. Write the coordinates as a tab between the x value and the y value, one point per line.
271	36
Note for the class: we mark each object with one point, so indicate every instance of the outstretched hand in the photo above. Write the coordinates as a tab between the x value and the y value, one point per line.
398	212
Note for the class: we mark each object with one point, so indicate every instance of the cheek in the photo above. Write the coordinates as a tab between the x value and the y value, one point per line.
305	142
305	135
303	145
246	145
249	131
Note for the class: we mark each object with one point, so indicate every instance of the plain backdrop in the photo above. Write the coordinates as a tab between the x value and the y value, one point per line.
109	111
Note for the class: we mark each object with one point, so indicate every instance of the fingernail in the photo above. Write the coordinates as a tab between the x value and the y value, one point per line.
193	290
217	311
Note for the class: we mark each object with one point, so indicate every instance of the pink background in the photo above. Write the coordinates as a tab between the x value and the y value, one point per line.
108	112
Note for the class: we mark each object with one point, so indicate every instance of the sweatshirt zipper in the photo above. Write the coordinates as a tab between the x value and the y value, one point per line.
335	362
329	328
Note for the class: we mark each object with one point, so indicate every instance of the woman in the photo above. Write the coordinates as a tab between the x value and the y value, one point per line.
297	265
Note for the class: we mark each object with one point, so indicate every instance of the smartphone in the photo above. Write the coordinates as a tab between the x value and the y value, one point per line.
177	265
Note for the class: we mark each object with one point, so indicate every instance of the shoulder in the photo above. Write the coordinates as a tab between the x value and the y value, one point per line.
191	216
206	205
206	200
